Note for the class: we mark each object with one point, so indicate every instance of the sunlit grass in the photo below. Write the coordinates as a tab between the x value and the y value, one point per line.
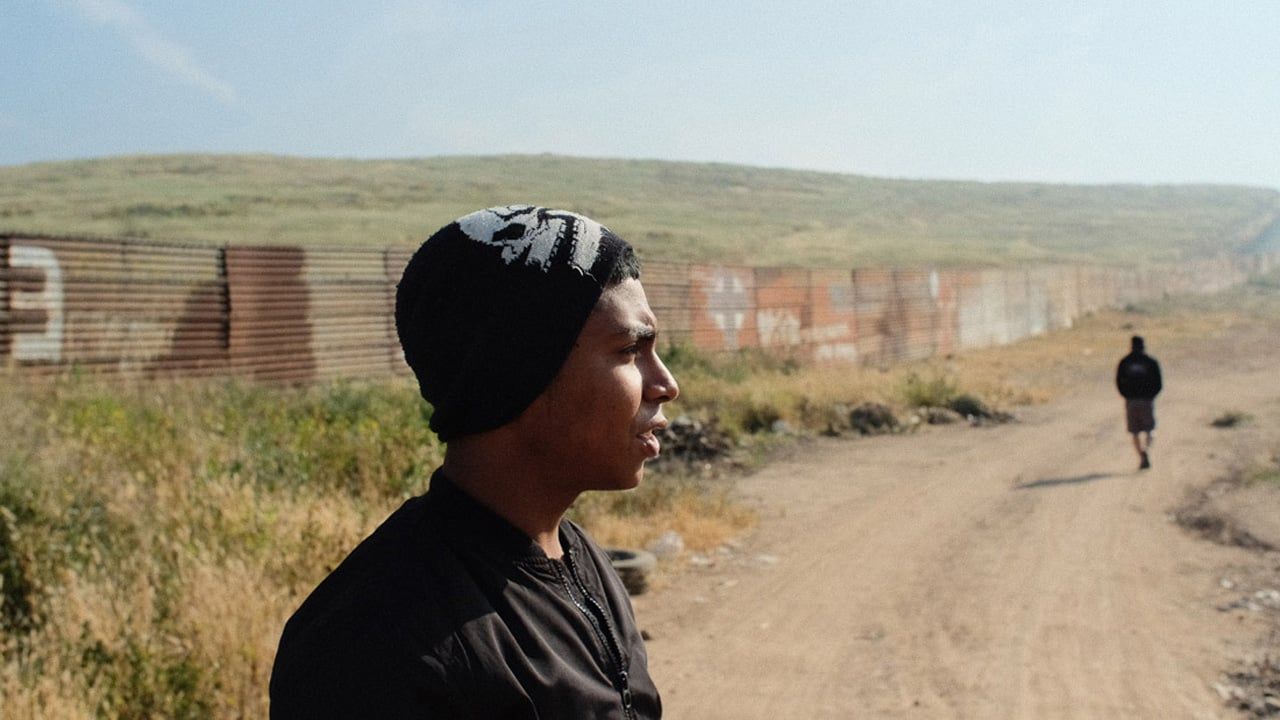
678	212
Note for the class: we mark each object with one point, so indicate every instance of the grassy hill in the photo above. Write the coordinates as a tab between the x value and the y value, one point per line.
669	211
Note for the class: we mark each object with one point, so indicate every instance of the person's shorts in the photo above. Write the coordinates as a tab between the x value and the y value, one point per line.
1140	415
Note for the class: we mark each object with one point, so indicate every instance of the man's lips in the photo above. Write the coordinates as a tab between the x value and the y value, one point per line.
649	437
651	445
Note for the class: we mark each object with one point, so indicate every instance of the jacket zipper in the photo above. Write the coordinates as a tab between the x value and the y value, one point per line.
599	621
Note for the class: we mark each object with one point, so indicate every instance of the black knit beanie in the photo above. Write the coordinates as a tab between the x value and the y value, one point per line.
490	305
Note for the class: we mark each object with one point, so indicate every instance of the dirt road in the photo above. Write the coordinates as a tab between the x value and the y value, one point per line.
1020	571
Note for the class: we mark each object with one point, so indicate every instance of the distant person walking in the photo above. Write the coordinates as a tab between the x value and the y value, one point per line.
1138	380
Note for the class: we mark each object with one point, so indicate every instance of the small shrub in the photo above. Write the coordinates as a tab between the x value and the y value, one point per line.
759	417
362	438
936	391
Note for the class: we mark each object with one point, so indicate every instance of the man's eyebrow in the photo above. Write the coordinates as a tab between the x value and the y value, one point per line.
637	331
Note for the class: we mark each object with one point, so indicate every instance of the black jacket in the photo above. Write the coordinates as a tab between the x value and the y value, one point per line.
1138	376
448	611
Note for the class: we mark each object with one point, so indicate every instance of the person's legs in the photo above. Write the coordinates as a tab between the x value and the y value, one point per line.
1144	461
1140	421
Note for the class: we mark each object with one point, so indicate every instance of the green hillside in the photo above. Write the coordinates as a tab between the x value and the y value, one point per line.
670	211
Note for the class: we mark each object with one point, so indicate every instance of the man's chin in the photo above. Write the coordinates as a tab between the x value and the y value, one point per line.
632	482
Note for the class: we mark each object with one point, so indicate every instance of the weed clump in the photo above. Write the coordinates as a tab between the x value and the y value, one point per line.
938	395
936	391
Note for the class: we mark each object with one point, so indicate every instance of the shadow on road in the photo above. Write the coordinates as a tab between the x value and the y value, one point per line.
1049	482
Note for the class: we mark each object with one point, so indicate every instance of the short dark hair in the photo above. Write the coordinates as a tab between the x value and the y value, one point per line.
626	265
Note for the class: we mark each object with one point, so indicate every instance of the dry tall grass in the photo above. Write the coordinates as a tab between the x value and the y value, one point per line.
160	535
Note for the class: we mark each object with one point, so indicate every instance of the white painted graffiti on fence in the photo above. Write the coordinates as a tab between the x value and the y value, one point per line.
133	341
778	327
727	304
842	352
825	333
831	342
45	344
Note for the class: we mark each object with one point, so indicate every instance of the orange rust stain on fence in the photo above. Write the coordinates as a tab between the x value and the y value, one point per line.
270	336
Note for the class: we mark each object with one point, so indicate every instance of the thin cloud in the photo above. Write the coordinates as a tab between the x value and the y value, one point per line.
160	51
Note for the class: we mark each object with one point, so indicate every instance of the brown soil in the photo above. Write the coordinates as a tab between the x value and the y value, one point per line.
1016	571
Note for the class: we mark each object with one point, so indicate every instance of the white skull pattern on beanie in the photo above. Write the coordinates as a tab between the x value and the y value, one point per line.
535	233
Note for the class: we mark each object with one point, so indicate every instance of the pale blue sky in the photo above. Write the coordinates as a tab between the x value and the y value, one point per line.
1084	91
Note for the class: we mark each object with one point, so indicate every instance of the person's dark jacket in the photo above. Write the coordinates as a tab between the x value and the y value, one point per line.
1138	376
448	611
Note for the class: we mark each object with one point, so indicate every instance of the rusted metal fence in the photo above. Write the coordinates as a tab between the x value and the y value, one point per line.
297	314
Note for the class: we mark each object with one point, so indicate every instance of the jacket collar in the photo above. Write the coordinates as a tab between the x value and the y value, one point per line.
474	527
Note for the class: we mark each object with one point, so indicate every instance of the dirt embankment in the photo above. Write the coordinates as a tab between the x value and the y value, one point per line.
1016	571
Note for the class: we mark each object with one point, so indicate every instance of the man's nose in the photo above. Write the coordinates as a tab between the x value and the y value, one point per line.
662	387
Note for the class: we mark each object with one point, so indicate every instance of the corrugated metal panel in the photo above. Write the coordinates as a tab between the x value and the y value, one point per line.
114	305
982	313
1018	306
782	308
913	336
947	330
270	336
832	330
301	315
872	307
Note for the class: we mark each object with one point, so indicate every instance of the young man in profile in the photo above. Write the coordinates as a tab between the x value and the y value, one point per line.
531	337
1138	380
